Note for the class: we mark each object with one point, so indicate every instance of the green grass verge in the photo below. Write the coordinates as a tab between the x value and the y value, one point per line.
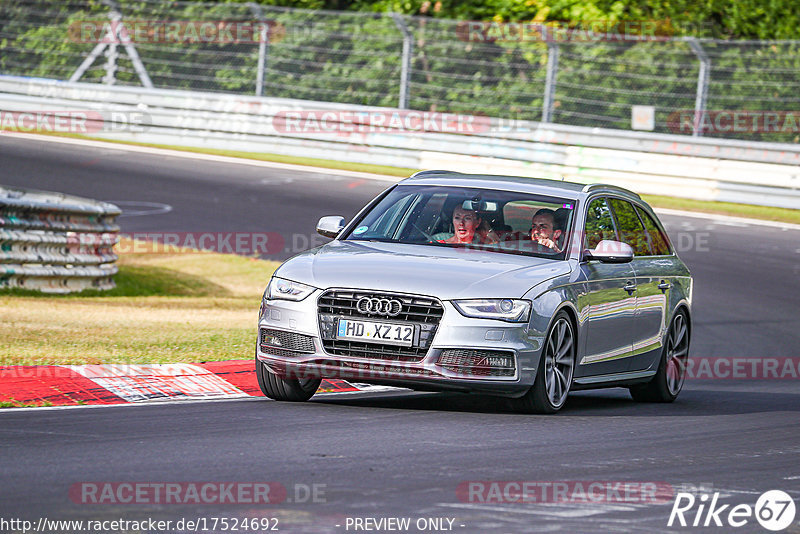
259	156
294	160
141	281
725	208
17	404
721	208
182	306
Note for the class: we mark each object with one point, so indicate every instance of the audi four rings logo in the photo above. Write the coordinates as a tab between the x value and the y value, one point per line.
370	306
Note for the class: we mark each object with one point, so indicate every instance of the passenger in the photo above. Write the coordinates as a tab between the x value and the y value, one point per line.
469	228
544	231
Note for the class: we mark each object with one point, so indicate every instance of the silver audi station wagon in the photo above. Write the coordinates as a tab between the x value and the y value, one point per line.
517	287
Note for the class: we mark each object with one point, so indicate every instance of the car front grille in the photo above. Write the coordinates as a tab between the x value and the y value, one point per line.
472	362
423	312
283	343
414	309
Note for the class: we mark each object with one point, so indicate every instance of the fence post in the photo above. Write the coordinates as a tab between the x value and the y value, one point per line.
405	69
116	34
121	33
111	52
550	79
702	85
262	48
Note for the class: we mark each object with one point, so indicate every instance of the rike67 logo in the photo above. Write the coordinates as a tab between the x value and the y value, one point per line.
774	510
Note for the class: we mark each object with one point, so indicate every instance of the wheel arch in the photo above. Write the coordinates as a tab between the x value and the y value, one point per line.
546	310
569	308
683	306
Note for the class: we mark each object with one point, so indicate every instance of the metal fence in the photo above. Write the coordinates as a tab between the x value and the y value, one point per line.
737	89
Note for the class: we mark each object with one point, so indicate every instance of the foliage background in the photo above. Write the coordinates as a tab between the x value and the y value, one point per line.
353	55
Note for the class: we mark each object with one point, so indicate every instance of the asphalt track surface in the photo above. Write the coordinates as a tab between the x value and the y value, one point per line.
400	454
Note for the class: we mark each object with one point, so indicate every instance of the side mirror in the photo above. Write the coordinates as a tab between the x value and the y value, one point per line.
608	251
330	225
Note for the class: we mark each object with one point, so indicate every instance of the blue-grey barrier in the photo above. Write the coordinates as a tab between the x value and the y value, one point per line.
56	243
676	165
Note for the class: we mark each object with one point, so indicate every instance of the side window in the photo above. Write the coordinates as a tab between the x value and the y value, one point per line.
423	218
388	221
658	240
599	225
630	227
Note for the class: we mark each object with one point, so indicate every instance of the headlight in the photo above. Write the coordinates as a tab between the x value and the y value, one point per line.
515	311
278	288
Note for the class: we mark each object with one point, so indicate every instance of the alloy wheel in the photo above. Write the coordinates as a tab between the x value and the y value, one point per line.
677	354
559	362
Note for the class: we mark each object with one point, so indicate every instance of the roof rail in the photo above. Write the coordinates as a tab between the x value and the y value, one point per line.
588	188
432	171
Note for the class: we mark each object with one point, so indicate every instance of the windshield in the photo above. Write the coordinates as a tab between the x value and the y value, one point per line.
501	221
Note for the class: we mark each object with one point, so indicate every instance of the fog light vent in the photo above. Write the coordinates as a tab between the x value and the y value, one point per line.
472	362
285	341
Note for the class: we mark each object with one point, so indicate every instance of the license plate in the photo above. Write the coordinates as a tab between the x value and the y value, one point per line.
372	332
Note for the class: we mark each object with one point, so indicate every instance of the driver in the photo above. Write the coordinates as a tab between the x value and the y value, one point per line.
469	228
544	231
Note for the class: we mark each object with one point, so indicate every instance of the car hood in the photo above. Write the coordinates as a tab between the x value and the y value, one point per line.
444	272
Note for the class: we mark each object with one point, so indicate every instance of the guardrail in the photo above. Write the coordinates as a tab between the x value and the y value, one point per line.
705	169
56	243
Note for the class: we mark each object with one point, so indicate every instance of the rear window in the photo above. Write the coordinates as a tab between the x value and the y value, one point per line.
658	241
599	223
630	227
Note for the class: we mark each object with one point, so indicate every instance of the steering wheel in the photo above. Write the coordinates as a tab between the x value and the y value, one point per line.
427	236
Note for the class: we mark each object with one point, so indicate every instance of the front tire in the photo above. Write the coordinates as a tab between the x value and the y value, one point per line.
554	377
668	381
285	389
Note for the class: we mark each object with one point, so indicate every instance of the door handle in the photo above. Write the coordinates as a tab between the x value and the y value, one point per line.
663	286
630	287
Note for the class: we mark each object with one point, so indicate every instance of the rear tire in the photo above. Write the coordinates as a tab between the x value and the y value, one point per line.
556	368
668	381
285	389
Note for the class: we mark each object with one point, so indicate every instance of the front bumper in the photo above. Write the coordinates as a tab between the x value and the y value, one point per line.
453	332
